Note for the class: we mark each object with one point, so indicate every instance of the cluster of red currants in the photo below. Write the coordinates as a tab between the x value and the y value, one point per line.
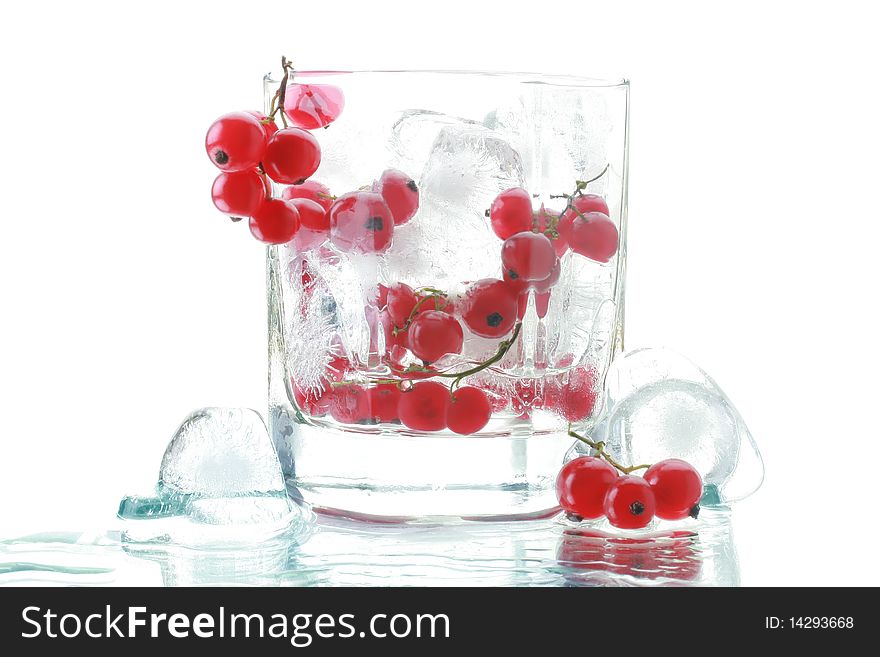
534	241
590	487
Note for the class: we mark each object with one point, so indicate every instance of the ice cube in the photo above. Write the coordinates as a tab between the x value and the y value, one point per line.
220	469
659	405
449	241
413	135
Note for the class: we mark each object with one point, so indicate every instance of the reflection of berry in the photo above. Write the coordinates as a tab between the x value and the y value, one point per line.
594	236
528	256
312	106
239	193
314	224
292	155
361	222
677	488
312	402
424	408
383	402
489	308
630	503
511	212
275	222
582	484
350	404
578	396
400	193
236	141
469	411
434	334
312	190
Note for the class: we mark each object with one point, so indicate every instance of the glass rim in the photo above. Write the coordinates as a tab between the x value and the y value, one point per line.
521	77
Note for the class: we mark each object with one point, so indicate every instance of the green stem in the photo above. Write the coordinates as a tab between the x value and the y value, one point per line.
599	446
503	347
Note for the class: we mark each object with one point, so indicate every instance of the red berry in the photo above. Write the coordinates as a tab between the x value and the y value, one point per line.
314	224
547	221
312	106
594	236
400	193
312	402
582	484
489	308
677	488
546	284
425	407
236	141
434	334
383	402
269	127
401	300
542	304
292	155
350	404
629	503
361	222
511	212
312	190
239	193
528	256
585	203
469	411
275	221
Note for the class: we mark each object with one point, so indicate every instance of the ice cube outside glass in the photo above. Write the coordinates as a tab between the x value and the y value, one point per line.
463	137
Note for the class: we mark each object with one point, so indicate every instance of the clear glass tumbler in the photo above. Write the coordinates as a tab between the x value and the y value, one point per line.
342	368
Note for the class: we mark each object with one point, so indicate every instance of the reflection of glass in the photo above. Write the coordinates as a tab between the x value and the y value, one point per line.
463	138
345	553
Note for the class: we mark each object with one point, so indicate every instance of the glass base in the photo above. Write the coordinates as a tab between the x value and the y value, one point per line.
407	477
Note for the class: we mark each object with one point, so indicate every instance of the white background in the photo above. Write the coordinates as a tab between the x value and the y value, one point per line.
127	300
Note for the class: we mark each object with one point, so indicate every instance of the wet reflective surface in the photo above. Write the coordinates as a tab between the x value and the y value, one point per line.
337	552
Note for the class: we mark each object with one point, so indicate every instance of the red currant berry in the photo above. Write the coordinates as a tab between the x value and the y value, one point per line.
489	308
585	203
629	503
292	155
312	190
434	334
314	224
312	106
582	485
594	236
383	401
511	212
235	142
579	394
312	402
547	283
275	221
269	127
400	193
239	193
361	222
528	256
469	411
350	404
677	488
547	222
425	407
401	300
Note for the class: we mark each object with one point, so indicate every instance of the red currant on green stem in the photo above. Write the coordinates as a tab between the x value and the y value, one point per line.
677	488
511	212
489	308
361	222
239	193
291	156
275	222
425	406
400	193
312	190
582	484
236	141
469	411
433	334
629	503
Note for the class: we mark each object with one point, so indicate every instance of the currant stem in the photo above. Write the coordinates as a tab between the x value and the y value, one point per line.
599	446
432	294
503	347
277	103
